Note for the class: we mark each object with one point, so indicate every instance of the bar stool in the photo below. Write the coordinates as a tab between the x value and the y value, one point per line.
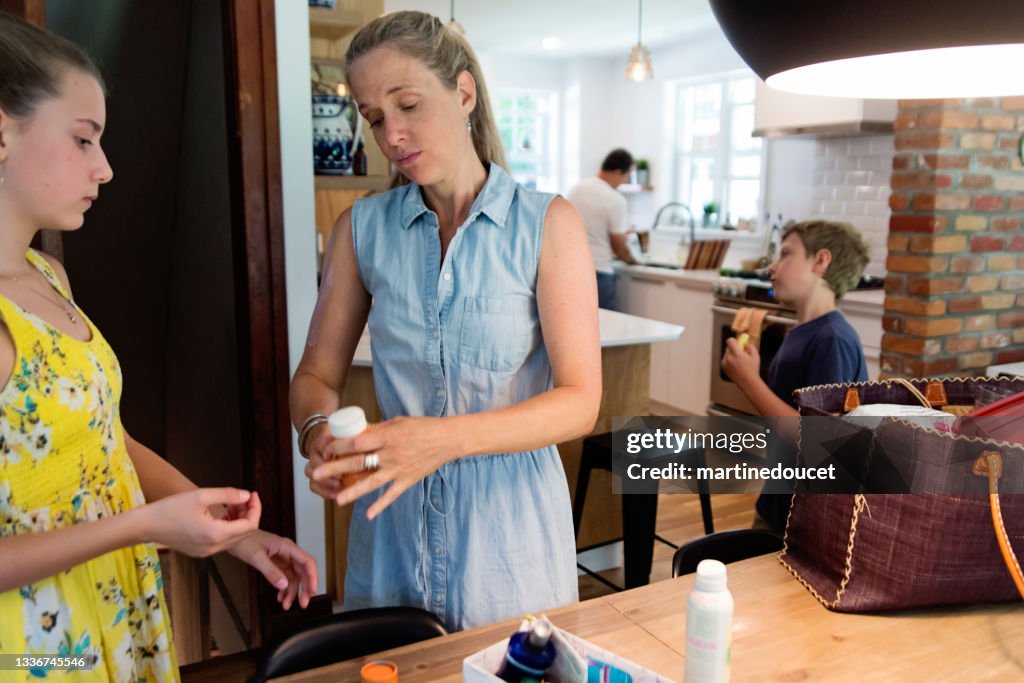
639	510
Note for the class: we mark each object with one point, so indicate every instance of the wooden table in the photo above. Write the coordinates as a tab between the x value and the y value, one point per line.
780	633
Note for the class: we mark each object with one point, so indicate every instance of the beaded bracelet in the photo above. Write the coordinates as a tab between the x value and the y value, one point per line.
307	426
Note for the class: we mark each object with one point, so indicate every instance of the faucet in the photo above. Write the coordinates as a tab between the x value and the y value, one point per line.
693	223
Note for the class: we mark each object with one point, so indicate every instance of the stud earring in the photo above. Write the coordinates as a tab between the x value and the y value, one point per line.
469	126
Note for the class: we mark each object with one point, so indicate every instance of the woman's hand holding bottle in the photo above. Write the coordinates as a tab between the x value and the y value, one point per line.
407	449
345	422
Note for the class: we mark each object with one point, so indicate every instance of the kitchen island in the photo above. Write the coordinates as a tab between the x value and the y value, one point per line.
681	373
625	366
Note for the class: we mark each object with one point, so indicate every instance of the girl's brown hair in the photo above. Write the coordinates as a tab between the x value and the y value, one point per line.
32	63
423	37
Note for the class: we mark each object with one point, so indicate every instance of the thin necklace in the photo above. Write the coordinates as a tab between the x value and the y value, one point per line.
62	303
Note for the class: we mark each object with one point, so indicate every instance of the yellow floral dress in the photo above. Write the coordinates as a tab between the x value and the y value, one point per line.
63	461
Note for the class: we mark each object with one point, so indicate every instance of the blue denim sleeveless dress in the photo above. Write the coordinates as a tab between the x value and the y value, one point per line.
484	538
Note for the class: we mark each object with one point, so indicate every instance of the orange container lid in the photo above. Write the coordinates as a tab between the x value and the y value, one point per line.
379	671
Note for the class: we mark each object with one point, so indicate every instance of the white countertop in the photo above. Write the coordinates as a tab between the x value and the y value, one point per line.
617	329
869	300
1011	369
694	279
622	329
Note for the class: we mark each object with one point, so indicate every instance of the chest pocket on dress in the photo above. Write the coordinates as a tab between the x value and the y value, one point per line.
497	334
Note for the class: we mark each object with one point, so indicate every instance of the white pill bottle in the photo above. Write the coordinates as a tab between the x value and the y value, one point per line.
348	421
709	626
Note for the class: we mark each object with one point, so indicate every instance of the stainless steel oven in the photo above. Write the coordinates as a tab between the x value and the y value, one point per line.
731	295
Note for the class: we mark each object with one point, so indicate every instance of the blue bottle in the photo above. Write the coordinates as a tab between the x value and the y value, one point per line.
529	654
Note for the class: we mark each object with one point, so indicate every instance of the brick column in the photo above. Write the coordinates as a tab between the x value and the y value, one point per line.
954	299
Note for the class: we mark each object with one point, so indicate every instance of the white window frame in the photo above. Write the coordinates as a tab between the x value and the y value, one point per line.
722	156
548	172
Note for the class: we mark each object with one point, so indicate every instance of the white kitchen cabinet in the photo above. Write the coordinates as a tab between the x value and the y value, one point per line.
691	362
782	113
648	297
680	369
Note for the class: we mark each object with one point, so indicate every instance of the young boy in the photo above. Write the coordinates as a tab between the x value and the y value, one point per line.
818	263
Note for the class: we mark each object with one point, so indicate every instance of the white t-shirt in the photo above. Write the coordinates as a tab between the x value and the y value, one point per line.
603	210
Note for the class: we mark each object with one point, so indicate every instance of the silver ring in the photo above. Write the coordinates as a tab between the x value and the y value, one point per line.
371	462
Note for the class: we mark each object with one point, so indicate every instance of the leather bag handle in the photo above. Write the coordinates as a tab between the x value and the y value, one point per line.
990	464
934	395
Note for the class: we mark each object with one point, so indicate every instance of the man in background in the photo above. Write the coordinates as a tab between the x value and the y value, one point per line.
603	210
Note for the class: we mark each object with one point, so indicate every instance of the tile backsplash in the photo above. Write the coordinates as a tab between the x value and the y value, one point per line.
851	182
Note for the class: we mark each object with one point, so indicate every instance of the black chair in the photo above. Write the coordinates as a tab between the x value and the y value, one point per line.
639	510
726	547
347	635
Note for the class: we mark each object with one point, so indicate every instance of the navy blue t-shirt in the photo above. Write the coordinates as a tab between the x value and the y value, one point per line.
825	350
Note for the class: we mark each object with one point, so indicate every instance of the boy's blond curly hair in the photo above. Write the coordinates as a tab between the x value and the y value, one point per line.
849	251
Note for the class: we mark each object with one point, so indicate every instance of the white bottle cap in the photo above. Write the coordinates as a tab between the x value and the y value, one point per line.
540	635
347	421
711	576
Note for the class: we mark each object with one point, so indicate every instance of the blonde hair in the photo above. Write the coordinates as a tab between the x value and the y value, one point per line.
423	37
844	242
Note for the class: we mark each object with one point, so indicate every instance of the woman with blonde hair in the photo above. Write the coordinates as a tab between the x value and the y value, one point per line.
81	502
482	313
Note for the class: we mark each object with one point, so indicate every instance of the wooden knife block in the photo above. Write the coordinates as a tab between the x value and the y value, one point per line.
706	254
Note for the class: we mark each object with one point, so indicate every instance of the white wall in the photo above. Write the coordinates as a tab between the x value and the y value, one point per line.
852	182
843	179
292	26
789	177
603	110
584	127
641	112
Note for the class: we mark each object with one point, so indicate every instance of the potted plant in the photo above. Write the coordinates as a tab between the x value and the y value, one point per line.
710	214
643	172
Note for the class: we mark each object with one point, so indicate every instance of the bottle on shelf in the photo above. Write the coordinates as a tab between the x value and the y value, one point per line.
709	626
359	160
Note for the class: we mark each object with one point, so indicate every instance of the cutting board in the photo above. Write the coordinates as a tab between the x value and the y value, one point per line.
706	254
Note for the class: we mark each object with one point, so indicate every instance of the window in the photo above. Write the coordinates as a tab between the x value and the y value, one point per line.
716	159
526	123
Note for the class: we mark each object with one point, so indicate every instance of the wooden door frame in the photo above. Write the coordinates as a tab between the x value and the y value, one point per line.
255	160
33	11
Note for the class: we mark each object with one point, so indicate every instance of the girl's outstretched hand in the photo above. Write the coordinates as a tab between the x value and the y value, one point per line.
289	568
186	523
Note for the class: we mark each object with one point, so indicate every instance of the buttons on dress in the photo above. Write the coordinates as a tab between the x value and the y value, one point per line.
447	277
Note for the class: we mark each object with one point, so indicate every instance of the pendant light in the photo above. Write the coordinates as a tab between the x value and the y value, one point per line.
452	24
881	48
639	67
